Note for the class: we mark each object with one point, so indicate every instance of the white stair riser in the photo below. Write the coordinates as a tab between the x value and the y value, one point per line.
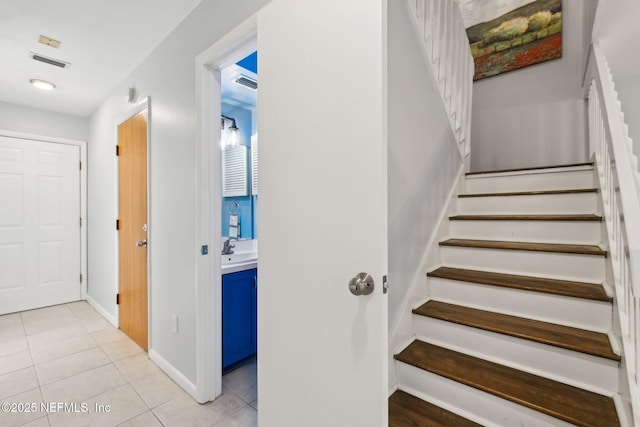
530	182
573	232
544	360
568	311
488	409
571	203
587	268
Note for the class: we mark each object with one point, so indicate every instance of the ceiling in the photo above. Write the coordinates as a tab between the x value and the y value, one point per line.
103	40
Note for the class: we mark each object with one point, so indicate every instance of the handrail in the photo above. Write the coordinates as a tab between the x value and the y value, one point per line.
620	186
446	49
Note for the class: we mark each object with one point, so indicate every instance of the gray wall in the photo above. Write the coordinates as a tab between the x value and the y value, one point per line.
167	75
629	96
19	118
536	115
423	165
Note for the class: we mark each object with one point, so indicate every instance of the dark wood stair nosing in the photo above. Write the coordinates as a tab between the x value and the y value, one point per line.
569	338
406	409
532	168
530	193
567	288
522	217
579	249
553	398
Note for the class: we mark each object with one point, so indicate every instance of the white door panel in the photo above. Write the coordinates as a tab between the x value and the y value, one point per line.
39	224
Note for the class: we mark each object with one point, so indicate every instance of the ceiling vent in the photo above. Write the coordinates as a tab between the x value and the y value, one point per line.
246	82
49	61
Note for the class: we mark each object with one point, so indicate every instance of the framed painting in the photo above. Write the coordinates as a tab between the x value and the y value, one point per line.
506	35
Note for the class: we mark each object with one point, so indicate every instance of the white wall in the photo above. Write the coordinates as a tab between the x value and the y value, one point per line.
424	162
629	96
536	115
19	118
167	75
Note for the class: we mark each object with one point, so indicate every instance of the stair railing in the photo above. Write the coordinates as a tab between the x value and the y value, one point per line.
446	48
620	186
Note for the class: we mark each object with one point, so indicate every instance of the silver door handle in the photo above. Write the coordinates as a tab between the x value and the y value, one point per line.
362	284
141	243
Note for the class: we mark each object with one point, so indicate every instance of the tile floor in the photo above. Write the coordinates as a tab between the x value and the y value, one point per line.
70	354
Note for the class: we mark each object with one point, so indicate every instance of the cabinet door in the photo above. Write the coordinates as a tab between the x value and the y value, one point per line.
239	318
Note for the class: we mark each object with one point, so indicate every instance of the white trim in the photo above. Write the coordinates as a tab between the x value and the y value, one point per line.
82	145
173	373
97	307
137	108
238	43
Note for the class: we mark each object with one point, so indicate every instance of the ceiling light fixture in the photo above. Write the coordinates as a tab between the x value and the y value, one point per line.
233	138
42	84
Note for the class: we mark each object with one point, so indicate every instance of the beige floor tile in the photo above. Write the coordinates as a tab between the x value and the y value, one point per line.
83	311
46	319
32	400
136	366
243	382
94	325
85	385
120	349
58	334
156	389
11	326
107	409
247	416
15	361
148	419
13	345
40	422
108	336
18	382
68	366
184	411
44	352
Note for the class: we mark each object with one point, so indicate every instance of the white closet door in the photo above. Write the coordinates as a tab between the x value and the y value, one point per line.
39	224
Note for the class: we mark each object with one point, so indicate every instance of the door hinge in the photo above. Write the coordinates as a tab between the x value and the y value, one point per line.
117	299
80	222
80	277
80	165
117	150
117	224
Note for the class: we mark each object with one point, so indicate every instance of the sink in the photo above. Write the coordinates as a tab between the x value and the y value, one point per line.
240	257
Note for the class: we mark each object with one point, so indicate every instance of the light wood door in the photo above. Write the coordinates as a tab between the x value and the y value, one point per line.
132	236
39	224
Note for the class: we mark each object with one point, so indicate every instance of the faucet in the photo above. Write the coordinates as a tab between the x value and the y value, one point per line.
227	248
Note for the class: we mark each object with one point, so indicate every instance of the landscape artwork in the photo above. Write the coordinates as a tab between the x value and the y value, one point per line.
506	35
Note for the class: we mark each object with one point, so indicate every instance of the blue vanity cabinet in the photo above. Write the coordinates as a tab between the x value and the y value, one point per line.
239	316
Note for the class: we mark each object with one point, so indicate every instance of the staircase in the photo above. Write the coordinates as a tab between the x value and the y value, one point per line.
516	328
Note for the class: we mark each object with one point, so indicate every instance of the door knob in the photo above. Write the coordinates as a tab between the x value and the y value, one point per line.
141	243
362	284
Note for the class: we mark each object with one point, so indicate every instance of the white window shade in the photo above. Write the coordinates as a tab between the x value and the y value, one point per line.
234	171
254	165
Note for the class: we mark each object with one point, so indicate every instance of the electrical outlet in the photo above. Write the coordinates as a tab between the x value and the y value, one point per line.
174	323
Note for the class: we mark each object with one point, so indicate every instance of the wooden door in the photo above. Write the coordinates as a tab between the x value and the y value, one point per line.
39	224
132	236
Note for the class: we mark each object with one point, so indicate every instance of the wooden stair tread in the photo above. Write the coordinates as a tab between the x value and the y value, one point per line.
562	401
571	165
526	246
530	193
406	410
547	217
580	340
590	291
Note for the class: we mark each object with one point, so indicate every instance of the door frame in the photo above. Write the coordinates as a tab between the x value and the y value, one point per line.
82	145
132	111
234	46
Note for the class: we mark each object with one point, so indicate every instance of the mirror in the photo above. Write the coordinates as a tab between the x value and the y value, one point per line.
239	110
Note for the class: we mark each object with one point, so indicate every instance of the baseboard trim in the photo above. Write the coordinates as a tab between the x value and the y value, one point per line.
110	317
174	374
